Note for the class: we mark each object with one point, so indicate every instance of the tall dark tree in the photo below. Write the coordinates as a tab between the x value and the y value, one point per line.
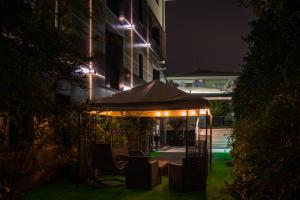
266	102
38	49
36	53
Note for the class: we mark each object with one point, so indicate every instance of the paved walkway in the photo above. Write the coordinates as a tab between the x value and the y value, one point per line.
173	149
173	154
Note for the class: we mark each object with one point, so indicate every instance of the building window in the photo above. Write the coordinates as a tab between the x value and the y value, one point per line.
60	14
113	59
188	84
141	10
114	6
156	35
198	83
62	99
141	67
156	75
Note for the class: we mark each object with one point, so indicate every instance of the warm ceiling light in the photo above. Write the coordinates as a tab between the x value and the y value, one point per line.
202	111
183	113
158	114
166	113
193	113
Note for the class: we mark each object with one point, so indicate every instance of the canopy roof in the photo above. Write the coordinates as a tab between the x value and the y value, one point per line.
148	98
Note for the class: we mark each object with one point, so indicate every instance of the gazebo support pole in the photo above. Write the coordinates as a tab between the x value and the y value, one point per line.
210	126
95	126
95	141
206	126
186	130
78	150
122	128
138	133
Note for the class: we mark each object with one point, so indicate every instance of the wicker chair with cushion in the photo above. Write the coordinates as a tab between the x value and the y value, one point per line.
141	173
106	160
189	176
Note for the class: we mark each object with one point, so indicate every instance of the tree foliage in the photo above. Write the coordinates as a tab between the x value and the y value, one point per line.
220	108
132	130
35	55
266	136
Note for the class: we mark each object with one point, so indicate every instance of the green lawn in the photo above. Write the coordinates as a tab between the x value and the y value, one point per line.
154	154
215	185
221	173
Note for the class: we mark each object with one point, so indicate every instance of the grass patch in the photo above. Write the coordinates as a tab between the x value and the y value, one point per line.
215	185
221	173
154	154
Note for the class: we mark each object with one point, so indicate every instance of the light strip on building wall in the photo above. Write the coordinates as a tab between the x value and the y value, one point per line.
132	27
145	44
89	71
131	43
90	48
125	88
56	13
125	27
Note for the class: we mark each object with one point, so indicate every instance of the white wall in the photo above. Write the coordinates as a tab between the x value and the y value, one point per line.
158	10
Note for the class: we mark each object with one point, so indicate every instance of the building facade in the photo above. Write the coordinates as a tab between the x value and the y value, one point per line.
212	85
217	87
124	41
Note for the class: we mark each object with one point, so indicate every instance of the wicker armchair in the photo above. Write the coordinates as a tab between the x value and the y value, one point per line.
190	176
141	173
106	160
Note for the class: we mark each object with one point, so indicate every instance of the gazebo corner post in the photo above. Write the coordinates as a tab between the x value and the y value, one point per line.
138	134
122	128
95	120
95	126
206	132
185	135
210	135
78	149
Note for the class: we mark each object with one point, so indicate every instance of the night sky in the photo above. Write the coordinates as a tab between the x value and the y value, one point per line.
206	34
